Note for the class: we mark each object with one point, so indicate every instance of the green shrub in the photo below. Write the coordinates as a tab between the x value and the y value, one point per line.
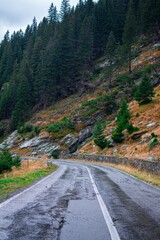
16	161
60	126
89	113
91	103
25	128
60	129
117	135
154	141
36	130
101	141
94	102
137	74
131	129
110	104
31	135
123	79
148	69
55	153
7	161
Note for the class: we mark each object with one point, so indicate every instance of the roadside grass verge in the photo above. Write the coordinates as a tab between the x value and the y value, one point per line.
24	176
141	175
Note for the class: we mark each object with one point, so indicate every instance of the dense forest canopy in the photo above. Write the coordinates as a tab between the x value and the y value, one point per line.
46	62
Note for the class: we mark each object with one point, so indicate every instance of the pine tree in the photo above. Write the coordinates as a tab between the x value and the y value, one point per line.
52	13
85	43
129	33
144	91
99	138
123	118
23	96
123	115
65	9
111	54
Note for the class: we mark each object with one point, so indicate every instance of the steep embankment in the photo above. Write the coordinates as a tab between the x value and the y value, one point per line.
137	145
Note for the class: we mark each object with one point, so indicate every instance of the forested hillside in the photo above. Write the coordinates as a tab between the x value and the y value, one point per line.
53	59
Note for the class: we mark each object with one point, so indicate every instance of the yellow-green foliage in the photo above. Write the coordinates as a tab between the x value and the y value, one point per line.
60	129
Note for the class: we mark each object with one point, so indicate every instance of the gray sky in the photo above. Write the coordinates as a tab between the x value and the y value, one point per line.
17	14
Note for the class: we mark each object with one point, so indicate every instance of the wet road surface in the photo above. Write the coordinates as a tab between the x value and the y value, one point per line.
83	202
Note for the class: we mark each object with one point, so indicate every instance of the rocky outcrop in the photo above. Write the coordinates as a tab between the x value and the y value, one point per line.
84	134
71	142
40	146
138	135
11	141
34	142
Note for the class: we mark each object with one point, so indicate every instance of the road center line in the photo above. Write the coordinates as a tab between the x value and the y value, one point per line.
107	217
28	189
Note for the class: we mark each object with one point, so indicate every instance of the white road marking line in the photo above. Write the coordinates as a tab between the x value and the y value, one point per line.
107	217
28	189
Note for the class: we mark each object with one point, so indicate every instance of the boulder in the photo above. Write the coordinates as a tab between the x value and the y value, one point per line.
111	143
138	135
84	134
156	81
11	141
34	142
157	45
71	142
151	124
49	149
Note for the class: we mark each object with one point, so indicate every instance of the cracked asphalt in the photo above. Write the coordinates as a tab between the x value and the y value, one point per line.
64	206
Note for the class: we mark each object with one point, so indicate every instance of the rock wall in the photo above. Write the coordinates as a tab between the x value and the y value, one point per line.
150	166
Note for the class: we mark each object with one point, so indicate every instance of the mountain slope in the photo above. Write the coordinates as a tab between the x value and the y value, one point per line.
75	116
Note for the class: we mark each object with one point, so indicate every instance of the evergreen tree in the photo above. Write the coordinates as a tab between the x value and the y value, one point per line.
123	115
123	118
99	138
103	24
111	54
129	33
85	43
144	91
23	96
52	13
65	9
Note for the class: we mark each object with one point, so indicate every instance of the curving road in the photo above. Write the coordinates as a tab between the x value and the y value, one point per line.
83	201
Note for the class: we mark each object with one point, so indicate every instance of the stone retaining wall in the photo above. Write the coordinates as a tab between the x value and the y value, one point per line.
152	167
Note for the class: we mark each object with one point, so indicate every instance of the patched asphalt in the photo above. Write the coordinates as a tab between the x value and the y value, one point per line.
64	207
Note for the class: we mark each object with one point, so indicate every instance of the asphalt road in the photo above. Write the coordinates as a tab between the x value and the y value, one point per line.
83	202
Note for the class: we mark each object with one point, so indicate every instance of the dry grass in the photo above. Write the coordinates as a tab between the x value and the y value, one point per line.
29	172
134	148
26	167
142	175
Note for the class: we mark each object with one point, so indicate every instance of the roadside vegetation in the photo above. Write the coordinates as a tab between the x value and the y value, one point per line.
139	174
7	161
29	172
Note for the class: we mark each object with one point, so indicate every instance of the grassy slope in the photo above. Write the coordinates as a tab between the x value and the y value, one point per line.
139	148
20	178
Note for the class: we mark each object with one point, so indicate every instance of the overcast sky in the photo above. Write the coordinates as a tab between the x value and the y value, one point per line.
17	14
